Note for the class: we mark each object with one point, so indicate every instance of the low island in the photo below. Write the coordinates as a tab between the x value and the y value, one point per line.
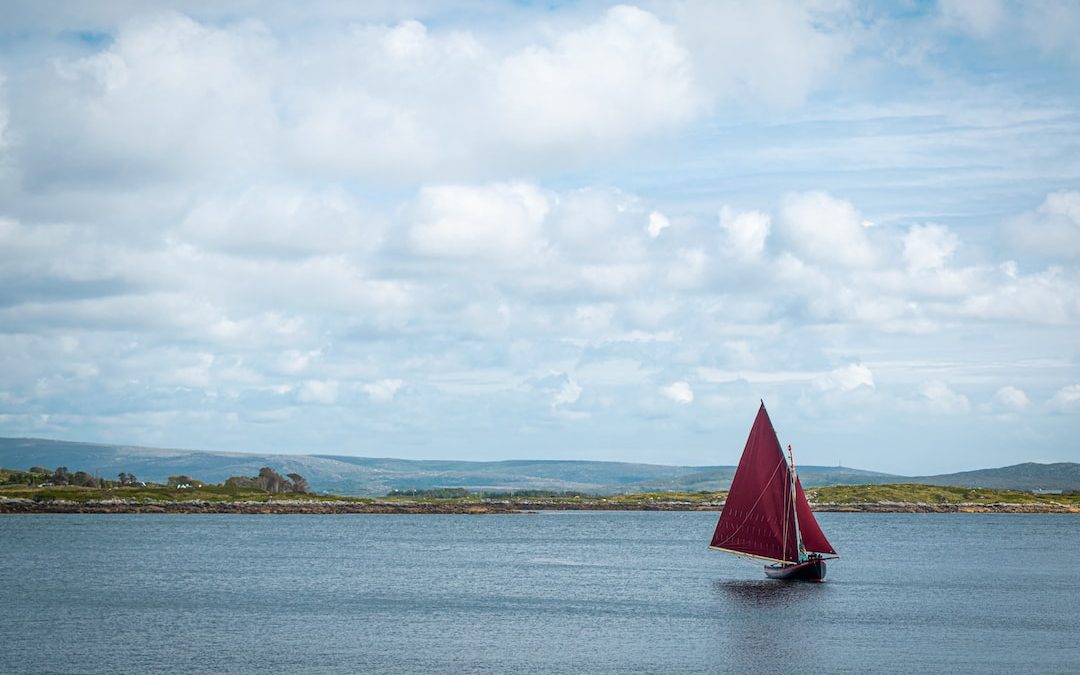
43	491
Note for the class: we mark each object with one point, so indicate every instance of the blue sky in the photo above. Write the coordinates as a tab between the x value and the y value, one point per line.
582	230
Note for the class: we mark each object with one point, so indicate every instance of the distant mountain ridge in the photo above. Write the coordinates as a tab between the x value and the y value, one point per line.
1026	476
372	476
719	478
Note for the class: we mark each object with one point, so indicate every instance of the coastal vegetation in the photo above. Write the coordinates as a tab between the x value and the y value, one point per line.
62	486
911	493
899	493
42	485
462	493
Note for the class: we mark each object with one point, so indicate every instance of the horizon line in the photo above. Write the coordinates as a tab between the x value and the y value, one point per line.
496	461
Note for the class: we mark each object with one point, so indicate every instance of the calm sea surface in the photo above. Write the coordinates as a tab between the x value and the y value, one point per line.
594	592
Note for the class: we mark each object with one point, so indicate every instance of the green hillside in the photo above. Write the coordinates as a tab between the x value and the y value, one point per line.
370	476
1027	476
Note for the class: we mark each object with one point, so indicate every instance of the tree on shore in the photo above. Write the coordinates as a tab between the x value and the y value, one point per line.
271	481
182	479
242	482
299	483
268	480
83	479
28	478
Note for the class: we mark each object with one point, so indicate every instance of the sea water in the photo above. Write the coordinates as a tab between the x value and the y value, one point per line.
554	592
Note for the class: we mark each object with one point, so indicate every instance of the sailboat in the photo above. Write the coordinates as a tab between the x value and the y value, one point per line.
766	516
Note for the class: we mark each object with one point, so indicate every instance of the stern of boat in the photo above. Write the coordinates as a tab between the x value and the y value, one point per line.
811	570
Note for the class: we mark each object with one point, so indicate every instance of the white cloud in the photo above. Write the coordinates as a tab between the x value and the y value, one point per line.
173	97
929	247
324	392
169	96
688	268
979	17
501	221
1011	398
195	376
658	222
719	376
362	103
1066	399
594	318
623	75
939	398
613	279
1065	203
597	224
846	378
680	392
280	220
294	361
383	390
744	233
569	393
825	229
613	372
3	115
1049	296
310	284
1053	26
745	50
1053	229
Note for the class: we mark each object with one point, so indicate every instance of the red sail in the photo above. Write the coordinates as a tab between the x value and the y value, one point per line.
757	519
813	538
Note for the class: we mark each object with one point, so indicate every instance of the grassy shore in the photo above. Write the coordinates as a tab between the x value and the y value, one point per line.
932	494
159	494
228	499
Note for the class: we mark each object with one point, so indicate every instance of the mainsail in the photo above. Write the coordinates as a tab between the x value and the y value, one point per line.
761	519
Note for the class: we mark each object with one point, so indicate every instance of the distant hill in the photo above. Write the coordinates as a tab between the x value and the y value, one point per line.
368	476
719	478
1027	476
585	476
157	464
340	474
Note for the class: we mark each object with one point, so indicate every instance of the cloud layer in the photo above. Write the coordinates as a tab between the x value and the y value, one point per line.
589	233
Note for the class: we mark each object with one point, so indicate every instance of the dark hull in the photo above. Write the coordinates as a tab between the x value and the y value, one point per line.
811	570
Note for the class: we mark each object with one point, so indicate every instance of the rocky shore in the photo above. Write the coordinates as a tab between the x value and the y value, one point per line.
254	508
19	505
875	507
914	507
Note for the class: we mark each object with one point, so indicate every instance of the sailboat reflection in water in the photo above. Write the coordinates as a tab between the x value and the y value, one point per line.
766	516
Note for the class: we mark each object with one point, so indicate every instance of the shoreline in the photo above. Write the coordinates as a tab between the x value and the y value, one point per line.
329	507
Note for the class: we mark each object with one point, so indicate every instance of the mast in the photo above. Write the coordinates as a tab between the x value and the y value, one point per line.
794	505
